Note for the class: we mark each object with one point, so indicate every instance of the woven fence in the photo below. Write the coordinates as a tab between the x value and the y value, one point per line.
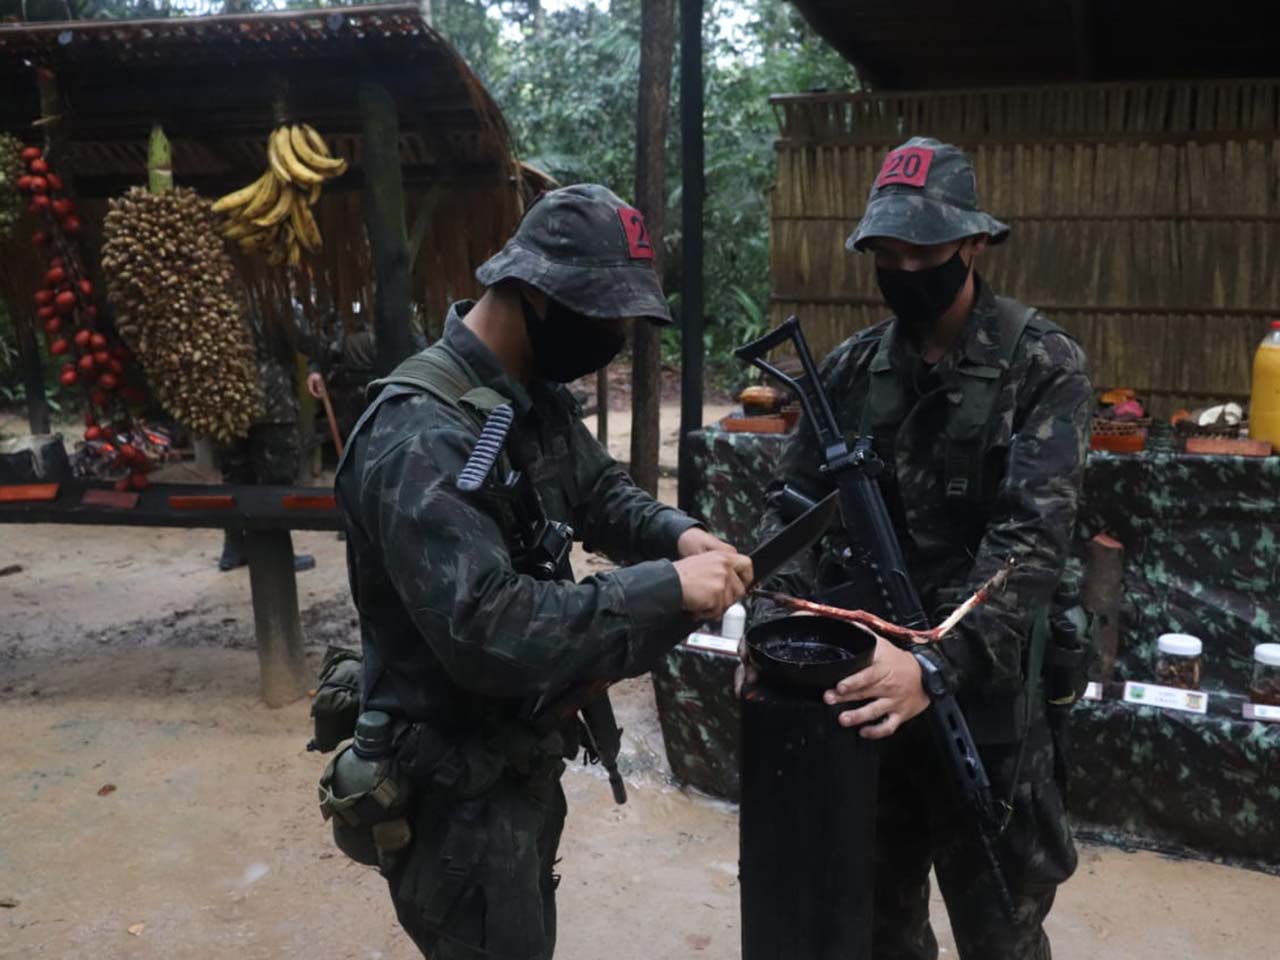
1145	217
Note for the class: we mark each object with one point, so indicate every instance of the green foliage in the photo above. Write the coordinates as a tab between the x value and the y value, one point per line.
566	81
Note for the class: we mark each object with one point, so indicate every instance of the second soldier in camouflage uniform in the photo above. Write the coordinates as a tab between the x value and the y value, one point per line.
272	451
457	640
981	410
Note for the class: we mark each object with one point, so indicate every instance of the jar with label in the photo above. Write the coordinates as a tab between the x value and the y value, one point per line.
1178	661
1264	689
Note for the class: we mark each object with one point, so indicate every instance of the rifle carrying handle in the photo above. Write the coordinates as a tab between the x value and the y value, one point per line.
762	345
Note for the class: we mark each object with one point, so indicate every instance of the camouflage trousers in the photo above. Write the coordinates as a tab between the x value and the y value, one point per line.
919	825
505	908
270	454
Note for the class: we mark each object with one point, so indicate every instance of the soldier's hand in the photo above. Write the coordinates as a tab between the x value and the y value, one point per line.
315	385
891	685
695	540
711	582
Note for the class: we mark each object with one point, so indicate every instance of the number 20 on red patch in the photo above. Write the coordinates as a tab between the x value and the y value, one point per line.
908	167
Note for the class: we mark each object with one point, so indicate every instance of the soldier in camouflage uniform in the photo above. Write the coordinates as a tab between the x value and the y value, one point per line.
980	408
272	451
457	639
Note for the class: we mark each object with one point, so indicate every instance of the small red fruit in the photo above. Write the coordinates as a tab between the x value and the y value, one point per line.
59	347
98	398
107	381
86	287
38	166
98	341
44	313
86	363
122	485
71	225
38	185
55	276
128	452
57	262
65	302
55	181
52	325
38	204
68	378
43	298
63	207
30	153
116	367
93	433
91	312
138	481
82	338
24	183
103	359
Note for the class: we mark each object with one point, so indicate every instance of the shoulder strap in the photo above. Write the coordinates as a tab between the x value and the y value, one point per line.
981	386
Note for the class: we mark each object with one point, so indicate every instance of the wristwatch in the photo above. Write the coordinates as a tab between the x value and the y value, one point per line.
935	684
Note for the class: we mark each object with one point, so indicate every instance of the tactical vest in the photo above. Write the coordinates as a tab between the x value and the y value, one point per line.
968	492
889	401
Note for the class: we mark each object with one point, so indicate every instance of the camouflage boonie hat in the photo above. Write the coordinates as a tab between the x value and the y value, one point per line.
925	193
581	245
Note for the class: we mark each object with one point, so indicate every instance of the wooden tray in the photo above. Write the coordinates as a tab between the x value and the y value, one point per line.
1224	447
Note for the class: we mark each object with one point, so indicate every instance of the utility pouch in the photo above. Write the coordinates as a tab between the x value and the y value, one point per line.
370	826
337	701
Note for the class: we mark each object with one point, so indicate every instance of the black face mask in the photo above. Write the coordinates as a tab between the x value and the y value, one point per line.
568	345
920	297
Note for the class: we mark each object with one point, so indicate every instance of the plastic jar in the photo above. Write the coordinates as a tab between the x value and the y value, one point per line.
1178	661
1264	688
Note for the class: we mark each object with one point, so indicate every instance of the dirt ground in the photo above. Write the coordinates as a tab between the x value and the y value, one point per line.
152	807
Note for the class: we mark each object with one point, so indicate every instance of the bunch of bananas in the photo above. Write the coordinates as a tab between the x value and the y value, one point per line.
272	216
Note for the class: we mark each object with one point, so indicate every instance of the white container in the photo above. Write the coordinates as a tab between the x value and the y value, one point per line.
1264	688
734	622
1178	661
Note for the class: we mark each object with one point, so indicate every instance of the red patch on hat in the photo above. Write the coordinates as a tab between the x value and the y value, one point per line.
638	243
908	167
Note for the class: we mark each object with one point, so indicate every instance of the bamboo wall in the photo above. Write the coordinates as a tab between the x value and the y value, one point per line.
1145	217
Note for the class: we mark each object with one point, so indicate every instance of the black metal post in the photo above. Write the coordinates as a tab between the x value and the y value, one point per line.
693	186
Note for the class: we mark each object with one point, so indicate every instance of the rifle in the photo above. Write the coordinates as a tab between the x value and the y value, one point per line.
855	471
543	553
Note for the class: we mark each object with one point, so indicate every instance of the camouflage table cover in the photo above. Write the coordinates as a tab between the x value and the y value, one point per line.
1202	547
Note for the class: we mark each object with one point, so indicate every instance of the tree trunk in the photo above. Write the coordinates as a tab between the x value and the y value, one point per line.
384	220
657	44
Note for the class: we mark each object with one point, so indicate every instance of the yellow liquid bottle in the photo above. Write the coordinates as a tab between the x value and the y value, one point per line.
1264	405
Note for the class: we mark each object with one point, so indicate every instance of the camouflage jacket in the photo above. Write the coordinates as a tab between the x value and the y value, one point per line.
276	378
448	624
1036	440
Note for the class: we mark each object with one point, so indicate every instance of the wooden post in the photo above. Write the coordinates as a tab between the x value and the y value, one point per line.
276	624
1103	587
657	45
384	220
694	184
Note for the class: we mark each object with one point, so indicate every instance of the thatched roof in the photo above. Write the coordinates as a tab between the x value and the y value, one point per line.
940	44
211	82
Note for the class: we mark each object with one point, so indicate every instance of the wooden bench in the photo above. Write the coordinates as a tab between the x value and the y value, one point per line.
266	514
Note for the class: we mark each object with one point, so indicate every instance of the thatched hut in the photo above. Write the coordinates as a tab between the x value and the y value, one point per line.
1137	173
377	82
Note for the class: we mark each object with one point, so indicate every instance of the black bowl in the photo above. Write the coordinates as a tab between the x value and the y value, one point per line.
808	652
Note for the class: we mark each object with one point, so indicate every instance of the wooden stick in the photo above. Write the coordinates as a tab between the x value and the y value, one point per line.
333	421
892	631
